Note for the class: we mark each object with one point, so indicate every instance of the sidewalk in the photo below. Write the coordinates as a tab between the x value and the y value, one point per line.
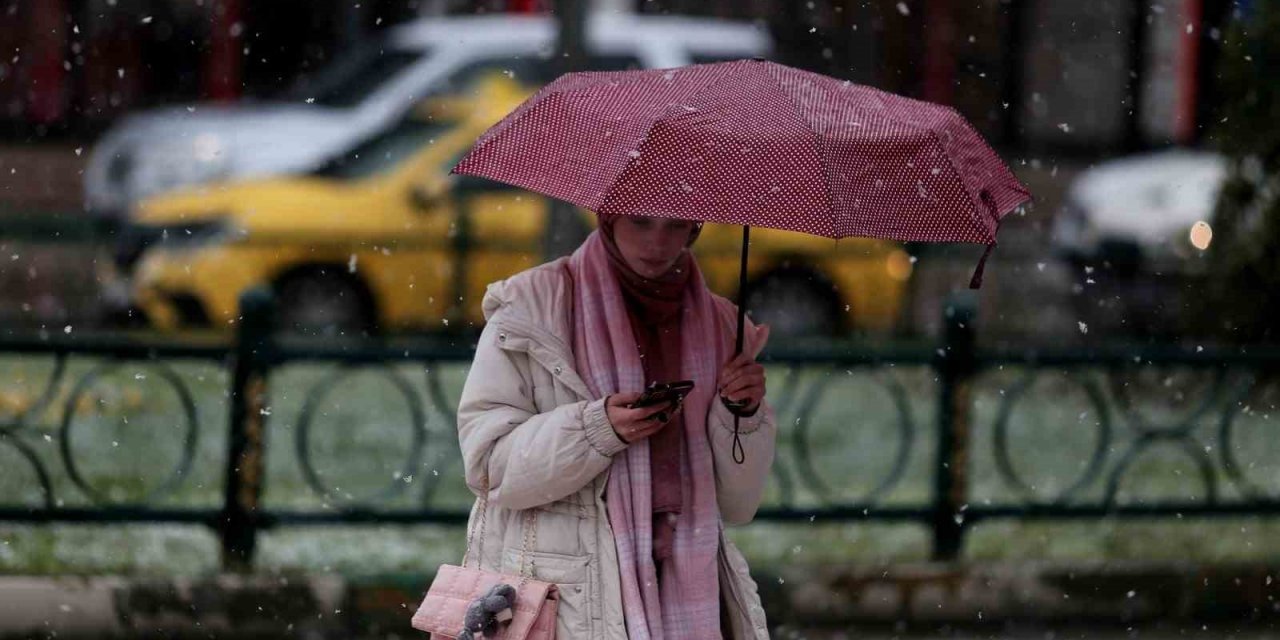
1111	593
811	602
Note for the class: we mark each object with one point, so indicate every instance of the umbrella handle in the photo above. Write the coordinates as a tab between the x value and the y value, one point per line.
742	289
740	454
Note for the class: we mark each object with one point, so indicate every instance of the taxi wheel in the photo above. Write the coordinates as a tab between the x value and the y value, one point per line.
796	303
325	302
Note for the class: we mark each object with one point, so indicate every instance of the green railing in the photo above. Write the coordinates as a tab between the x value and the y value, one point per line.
1057	433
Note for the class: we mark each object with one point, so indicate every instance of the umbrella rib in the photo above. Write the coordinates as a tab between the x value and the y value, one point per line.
543	95
978	208
604	199
889	116
822	158
506	123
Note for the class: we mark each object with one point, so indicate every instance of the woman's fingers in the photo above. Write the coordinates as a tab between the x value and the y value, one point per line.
622	399
746	371
747	390
647	428
762	336
737	361
742	383
642	414
729	378
641	422
644	426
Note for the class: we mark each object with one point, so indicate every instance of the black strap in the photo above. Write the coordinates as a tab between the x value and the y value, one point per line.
976	281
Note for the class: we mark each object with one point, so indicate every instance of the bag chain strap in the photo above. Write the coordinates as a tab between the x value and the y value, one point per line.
529	538
471	532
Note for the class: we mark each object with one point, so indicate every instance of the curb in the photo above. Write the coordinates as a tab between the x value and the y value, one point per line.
1101	593
114	606
325	606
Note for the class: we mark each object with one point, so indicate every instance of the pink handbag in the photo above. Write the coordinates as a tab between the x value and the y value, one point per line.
443	610
445	606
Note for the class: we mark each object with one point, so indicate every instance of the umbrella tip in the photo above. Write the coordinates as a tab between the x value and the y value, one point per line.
758	58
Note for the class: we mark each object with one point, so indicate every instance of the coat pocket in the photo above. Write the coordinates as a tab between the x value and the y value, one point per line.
572	573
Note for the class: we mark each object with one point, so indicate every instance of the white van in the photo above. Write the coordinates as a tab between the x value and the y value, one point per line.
371	87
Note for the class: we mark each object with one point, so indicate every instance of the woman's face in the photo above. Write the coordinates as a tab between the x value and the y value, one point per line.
651	246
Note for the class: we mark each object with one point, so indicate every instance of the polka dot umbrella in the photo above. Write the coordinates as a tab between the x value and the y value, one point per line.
754	143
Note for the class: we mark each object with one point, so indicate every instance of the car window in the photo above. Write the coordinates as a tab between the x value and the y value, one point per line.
382	152
532	71
529	71
708	58
468	183
385	150
614	62
351	78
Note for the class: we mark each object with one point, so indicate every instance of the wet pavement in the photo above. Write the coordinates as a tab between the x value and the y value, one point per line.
1267	630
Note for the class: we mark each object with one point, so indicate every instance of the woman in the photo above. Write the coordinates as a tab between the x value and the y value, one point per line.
622	508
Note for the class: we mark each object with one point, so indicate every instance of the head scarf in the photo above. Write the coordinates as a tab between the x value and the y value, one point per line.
678	597
653	300
654	307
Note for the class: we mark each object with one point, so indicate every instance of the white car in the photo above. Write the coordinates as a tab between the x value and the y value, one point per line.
1147	211
371	87
1135	232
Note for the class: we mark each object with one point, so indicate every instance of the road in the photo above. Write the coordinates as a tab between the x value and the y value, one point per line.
1167	631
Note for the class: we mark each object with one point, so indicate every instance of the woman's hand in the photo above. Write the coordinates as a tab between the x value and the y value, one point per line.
742	383
633	425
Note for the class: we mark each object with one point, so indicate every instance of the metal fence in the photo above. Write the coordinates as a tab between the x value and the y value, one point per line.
944	435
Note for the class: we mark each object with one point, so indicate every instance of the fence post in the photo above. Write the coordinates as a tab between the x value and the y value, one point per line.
955	370
238	526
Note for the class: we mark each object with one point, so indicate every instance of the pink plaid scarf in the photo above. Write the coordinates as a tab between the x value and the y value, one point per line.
687	603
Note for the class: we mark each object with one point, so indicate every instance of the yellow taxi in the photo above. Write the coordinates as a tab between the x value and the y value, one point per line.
383	239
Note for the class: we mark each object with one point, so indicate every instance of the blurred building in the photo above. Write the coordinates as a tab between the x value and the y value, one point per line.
72	66
1093	75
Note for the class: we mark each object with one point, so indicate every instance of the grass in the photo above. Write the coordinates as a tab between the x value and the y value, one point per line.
127	425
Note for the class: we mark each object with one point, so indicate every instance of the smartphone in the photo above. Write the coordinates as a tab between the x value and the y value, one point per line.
663	392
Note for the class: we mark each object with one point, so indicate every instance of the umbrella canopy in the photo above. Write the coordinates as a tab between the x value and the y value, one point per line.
752	142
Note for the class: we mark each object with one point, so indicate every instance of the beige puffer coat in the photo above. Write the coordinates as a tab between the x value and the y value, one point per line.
527	421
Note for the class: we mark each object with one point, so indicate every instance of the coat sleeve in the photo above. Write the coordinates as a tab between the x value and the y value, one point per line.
530	458
740	487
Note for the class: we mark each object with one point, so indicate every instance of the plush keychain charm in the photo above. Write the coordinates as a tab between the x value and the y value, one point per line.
485	613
